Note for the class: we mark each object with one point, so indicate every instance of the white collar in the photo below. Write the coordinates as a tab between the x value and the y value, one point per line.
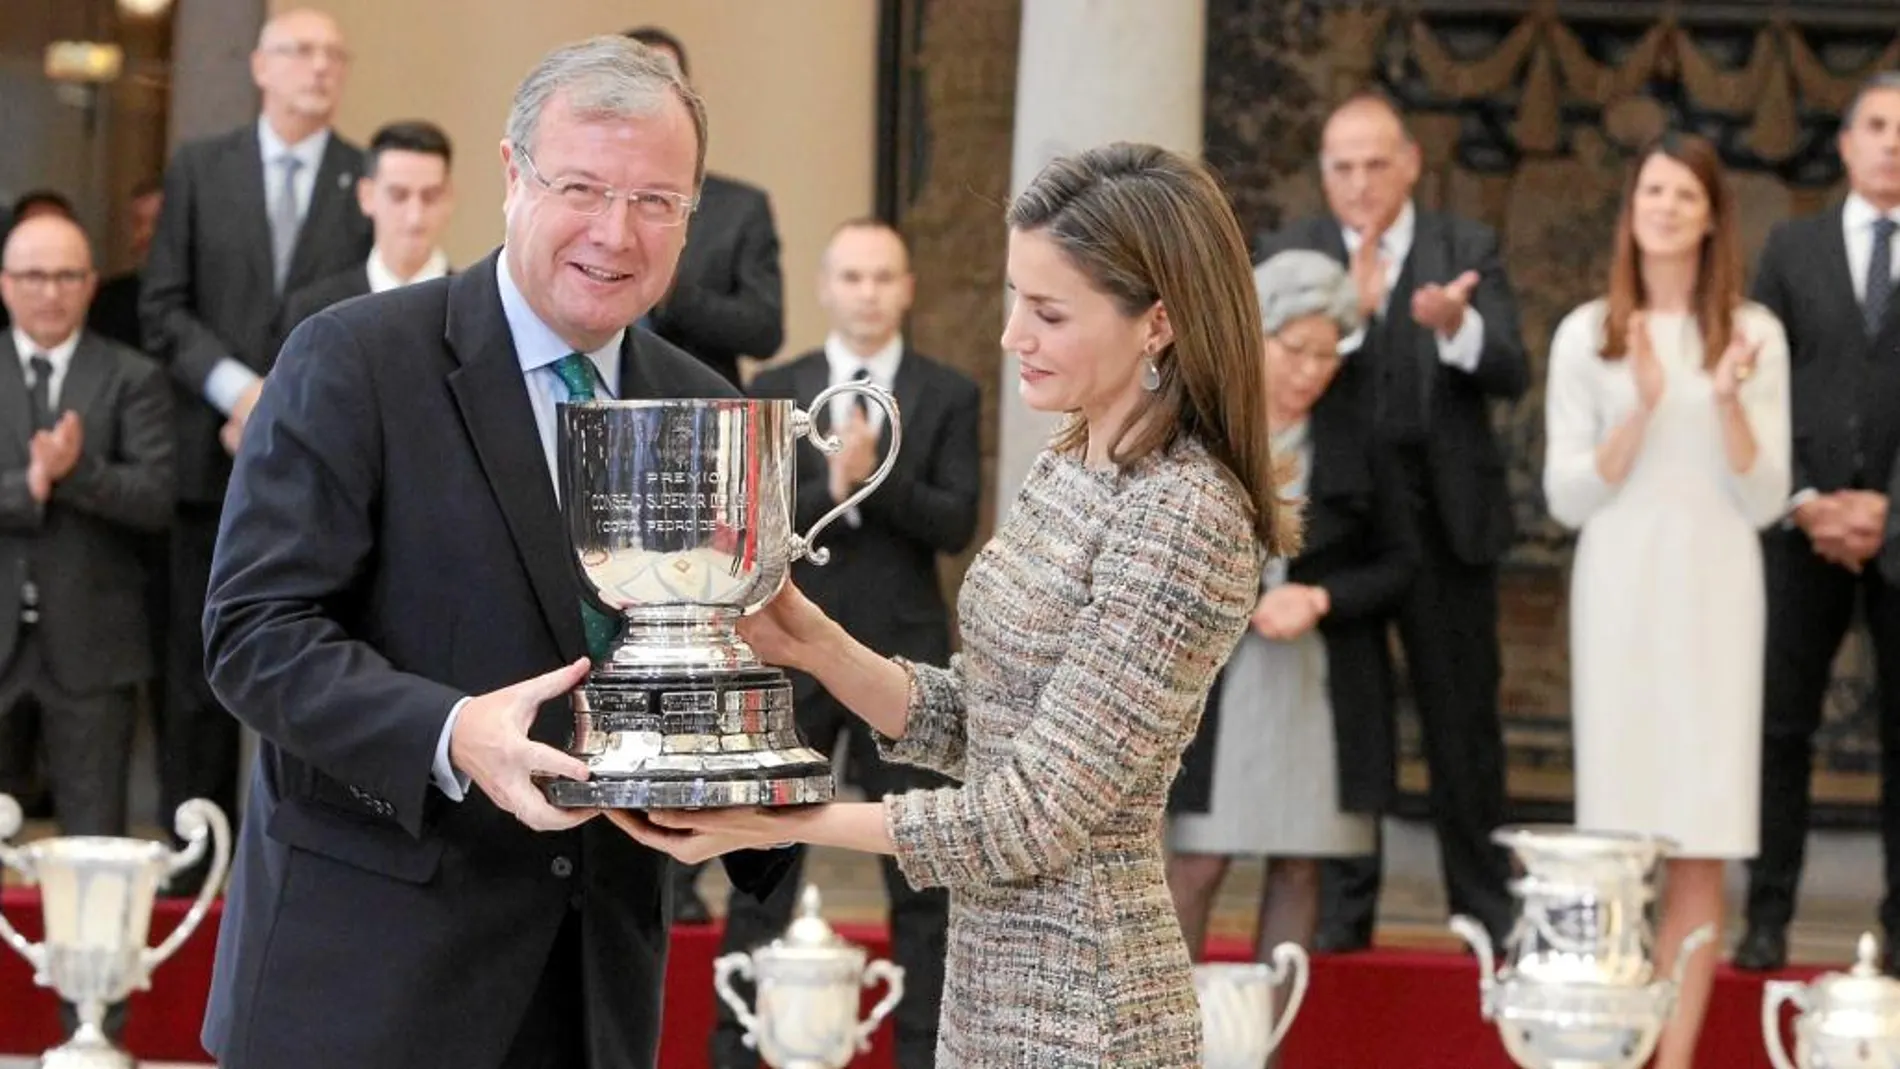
382	278
309	151
882	365
1859	214
59	354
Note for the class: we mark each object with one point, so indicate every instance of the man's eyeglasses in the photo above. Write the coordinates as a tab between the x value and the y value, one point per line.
41	279
307	51
653	206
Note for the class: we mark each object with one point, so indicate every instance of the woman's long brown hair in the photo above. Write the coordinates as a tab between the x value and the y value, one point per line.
1146	225
1718	280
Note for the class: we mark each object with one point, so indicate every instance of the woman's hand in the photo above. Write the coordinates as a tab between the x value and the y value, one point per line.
1289	611
1643	363
696	835
1736	365
789	630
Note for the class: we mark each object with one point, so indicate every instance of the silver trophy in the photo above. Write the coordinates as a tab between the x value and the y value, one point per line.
1847	1020
1239	1026
809	985
680	514
1578	989
96	895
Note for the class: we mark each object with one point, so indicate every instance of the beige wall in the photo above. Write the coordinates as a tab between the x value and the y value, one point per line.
790	89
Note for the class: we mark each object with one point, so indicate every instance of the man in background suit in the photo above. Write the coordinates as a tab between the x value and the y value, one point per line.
1830	280
249	216
729	298
881	584
395	609
1442	342
406	193
85	467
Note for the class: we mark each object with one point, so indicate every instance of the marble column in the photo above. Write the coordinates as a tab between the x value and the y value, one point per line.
1089	72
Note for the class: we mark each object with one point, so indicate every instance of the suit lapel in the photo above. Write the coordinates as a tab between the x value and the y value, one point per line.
84	377
908	386
493	397
251	209
1837	280
329	199
1331	239
16	412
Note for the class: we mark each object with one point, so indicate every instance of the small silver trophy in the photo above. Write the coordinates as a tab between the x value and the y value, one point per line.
809	984
1239	1028
1578	990
680	514
96	895
1848	1020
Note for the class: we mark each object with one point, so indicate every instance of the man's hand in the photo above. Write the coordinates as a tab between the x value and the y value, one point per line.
1368	274
853	464
232	433
490	745
692	836
1289	611
58	449
1442	307
1846	527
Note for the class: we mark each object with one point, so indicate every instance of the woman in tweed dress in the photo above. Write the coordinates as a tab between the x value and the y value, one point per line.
1092	626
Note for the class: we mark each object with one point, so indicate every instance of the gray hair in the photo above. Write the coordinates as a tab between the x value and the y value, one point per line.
1299	283
607	77
1883	80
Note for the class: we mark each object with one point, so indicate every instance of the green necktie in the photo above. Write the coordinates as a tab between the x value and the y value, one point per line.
577	374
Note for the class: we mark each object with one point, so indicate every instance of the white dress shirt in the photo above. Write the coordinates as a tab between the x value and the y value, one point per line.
1461	350
381	278
538	348
60	356
1857	225
231	378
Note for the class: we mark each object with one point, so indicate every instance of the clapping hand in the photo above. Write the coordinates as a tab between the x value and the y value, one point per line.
1442	307
1735	366
1644	366
853	464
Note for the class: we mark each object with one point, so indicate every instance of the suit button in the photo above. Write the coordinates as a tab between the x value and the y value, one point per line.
575	902
562	867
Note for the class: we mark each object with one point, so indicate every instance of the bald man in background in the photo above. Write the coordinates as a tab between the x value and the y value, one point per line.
248	218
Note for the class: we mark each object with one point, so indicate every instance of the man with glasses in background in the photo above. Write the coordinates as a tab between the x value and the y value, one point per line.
394	610
248	218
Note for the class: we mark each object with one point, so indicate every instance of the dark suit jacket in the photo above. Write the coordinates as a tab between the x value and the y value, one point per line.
115	311
881	583
1461	465
1361	546
391	544
82	546
321	294
728	299
1844	391
208	291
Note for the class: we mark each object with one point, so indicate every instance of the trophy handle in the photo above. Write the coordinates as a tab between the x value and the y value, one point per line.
893	977
805	426
1691	943
1479	940
723	970
11	857
1290	963
1772	996
194	820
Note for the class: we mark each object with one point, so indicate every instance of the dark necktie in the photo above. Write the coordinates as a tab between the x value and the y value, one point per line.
40	391
577	374
858	402
1879	275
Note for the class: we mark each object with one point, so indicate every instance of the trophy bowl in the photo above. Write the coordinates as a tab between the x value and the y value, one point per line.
1240	1026
808	984
1577	989
680	513
96	895
1847	1020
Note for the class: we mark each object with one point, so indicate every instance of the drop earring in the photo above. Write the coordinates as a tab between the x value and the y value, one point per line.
1150	375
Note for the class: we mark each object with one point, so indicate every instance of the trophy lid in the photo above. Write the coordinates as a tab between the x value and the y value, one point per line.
1861	989
808	931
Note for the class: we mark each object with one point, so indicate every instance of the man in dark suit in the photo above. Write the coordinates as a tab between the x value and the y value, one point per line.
1830	280
1442	342
406	193
881	584
85	465
395	608
729	298
249	216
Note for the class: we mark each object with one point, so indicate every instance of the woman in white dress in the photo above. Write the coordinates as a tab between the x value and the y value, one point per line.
1296	752
1668	445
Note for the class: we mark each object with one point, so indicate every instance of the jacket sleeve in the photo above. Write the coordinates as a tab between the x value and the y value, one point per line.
1374	585
1503	370
168	292
299	526
1171	590
1772	292
135	485
1574	422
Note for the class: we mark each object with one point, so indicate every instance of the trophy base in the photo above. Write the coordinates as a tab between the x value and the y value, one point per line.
690	739
73	1056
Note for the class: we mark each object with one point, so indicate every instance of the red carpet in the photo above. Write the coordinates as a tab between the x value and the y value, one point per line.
1389	1009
